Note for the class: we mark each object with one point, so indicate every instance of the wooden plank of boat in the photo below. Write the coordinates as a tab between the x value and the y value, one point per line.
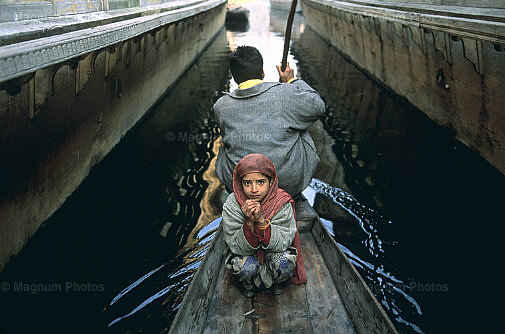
334	300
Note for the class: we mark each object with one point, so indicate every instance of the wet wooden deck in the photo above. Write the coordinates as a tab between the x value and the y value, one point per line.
315	307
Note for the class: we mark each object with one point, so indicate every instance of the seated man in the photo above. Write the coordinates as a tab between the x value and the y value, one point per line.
270	118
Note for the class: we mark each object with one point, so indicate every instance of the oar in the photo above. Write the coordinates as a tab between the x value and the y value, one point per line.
288	35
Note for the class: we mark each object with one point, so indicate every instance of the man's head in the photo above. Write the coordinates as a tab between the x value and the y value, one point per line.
246	63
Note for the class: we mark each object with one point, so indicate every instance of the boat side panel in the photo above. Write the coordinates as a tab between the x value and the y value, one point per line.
194	307
326	310
366	313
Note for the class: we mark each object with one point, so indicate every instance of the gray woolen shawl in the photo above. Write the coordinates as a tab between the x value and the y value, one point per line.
271	119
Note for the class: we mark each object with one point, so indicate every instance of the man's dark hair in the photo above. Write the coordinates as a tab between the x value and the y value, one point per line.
246	63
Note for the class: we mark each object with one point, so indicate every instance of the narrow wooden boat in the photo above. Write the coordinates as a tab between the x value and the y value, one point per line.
334	300
237	14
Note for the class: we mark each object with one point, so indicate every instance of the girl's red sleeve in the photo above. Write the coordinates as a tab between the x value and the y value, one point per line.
258	236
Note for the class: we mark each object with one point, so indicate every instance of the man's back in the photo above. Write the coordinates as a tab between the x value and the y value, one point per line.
270	119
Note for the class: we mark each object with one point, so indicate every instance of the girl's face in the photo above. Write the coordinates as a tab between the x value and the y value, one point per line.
256	185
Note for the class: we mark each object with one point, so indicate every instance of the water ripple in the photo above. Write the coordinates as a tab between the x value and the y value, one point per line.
388	289
365	216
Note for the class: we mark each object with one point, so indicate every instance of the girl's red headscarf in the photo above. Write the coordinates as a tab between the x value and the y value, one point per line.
270	205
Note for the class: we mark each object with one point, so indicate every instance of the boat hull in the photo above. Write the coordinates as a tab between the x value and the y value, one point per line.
334	300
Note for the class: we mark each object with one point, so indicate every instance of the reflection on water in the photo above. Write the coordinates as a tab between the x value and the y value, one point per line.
418	213
138	226
364	216
390	291
194	195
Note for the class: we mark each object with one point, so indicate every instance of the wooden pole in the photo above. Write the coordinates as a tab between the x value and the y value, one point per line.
287	37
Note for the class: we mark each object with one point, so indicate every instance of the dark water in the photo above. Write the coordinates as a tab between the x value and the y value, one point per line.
425	225
118	255
416	212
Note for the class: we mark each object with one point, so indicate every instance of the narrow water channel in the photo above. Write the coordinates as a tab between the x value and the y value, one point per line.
417	212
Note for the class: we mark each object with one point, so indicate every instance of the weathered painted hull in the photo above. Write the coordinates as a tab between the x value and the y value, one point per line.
447	61
71	102
334	300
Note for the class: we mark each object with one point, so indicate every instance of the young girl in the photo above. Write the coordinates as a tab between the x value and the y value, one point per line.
260	228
